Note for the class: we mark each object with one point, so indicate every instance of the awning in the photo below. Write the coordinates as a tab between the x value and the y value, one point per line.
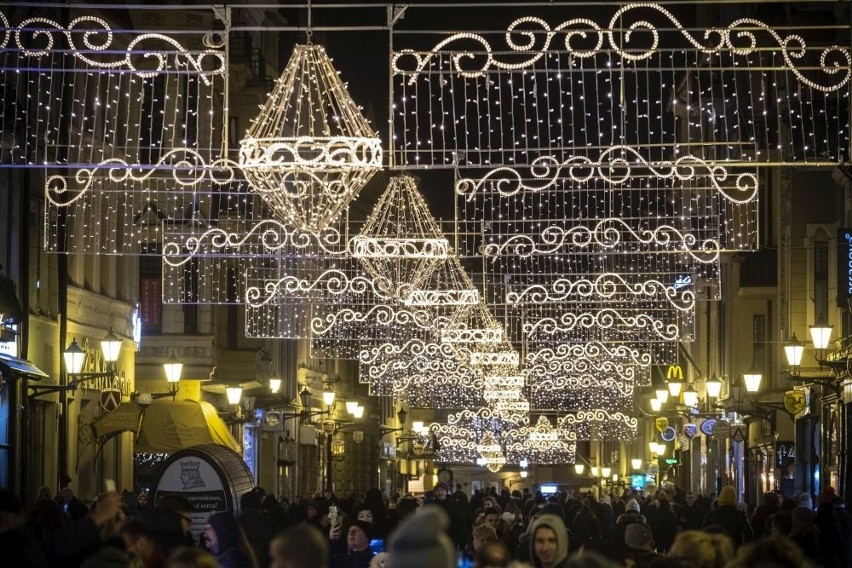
16	366
172	425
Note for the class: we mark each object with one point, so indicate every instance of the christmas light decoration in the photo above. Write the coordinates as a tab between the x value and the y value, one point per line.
606	286
616	166
606	234
604	319
600	424
541	444
310	150
618	33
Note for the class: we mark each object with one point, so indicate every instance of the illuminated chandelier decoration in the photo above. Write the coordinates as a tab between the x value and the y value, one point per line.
491	453
310	150
473	326
541	444
448	286
505	395
401	243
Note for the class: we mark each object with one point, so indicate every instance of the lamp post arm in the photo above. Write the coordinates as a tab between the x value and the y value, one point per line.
81	378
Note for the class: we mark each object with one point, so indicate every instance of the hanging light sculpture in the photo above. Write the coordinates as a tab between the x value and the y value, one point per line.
310	150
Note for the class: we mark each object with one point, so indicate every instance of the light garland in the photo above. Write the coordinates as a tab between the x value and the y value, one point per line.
607	286
612	166
97	38
605	318
591	350
600	424
792	47
310	150
605	234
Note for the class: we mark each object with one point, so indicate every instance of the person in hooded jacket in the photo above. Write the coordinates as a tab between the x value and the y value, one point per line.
225	540
548	542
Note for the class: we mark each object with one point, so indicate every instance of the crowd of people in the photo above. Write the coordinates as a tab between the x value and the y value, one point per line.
440	529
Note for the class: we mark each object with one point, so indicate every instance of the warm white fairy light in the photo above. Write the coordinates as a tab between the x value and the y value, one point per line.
498	383
310	150
262	237
539	367
540	443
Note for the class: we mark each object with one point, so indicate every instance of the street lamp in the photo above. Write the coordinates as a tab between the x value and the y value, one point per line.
662	394
752	379
675	385
636	463
713	386
328	397
173	369
820	335
793	351
690	396
234	393
274	385
579	468
656	404
75	357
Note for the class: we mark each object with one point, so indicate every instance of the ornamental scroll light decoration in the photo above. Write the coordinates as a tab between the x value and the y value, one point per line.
310	151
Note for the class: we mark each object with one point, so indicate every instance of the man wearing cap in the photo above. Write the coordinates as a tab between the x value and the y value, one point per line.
358	553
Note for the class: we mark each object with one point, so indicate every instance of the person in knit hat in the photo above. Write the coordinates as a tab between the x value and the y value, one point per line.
728	516
421	541
631	515
226	541
548	542
358	554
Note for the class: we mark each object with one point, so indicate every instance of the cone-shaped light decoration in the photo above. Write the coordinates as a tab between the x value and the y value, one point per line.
401	244
310	150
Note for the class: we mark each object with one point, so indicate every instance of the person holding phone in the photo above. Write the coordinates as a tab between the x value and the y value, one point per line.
359	554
